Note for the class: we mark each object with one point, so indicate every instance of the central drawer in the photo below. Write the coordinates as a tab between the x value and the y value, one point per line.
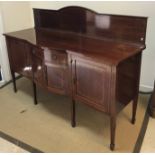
55	56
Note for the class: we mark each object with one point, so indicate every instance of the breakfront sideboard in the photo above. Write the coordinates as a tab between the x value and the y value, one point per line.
92	58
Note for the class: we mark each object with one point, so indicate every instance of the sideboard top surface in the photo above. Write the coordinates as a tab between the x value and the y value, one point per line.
108	51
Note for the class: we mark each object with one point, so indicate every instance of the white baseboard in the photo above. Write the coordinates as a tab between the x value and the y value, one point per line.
2	83
145	88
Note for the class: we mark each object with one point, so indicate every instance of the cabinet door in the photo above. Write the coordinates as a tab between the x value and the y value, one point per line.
56	71
91	83
20	56
38	66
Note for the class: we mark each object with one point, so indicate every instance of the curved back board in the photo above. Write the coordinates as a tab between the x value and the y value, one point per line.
91	24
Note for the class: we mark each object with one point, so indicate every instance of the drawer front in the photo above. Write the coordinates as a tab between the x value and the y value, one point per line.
57	57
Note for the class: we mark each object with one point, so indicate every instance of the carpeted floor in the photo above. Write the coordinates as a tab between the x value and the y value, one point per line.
148	145
46	126
6	146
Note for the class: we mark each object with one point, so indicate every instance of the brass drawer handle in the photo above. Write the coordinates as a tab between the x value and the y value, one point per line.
54	57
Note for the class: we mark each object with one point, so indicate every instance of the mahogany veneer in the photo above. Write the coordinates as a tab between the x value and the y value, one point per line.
90	57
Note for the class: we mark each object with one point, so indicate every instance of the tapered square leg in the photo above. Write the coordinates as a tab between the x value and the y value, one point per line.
73	114
113	130
151	108
134	109
35	93
14	81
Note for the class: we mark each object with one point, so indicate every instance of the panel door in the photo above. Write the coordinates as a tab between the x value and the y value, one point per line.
91	83
20	56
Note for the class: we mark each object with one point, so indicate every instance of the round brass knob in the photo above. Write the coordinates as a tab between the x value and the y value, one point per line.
54	57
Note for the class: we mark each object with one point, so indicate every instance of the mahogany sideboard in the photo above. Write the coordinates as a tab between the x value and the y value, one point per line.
92	58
